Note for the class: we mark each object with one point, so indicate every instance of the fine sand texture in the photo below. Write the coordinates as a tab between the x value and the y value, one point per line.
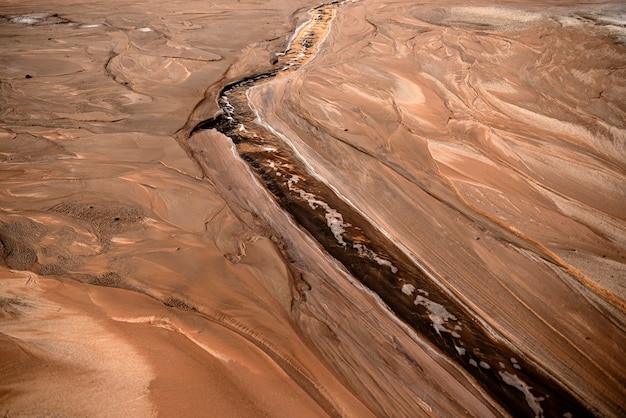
146	270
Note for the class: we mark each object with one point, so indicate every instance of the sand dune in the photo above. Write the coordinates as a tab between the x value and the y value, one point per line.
146	270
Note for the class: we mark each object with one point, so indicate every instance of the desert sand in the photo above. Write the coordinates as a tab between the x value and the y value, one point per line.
474	155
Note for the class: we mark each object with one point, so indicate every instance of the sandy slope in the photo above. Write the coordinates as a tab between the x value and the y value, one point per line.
139	281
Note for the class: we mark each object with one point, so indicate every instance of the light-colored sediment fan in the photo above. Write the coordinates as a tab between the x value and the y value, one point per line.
148	272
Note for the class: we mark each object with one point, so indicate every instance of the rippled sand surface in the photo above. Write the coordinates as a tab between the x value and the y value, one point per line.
146	271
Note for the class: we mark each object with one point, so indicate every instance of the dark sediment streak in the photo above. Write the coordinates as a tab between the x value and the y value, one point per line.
408	290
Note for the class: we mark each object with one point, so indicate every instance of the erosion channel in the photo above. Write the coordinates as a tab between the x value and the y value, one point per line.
412	293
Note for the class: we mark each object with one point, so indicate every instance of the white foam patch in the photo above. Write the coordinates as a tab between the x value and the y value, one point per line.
439	315
515	363
519	384
334	219
335	222
366	252
408	289
293	180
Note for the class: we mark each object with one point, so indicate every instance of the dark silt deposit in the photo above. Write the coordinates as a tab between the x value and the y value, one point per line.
409	291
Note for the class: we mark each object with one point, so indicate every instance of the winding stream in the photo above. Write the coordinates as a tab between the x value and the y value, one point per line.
407	288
